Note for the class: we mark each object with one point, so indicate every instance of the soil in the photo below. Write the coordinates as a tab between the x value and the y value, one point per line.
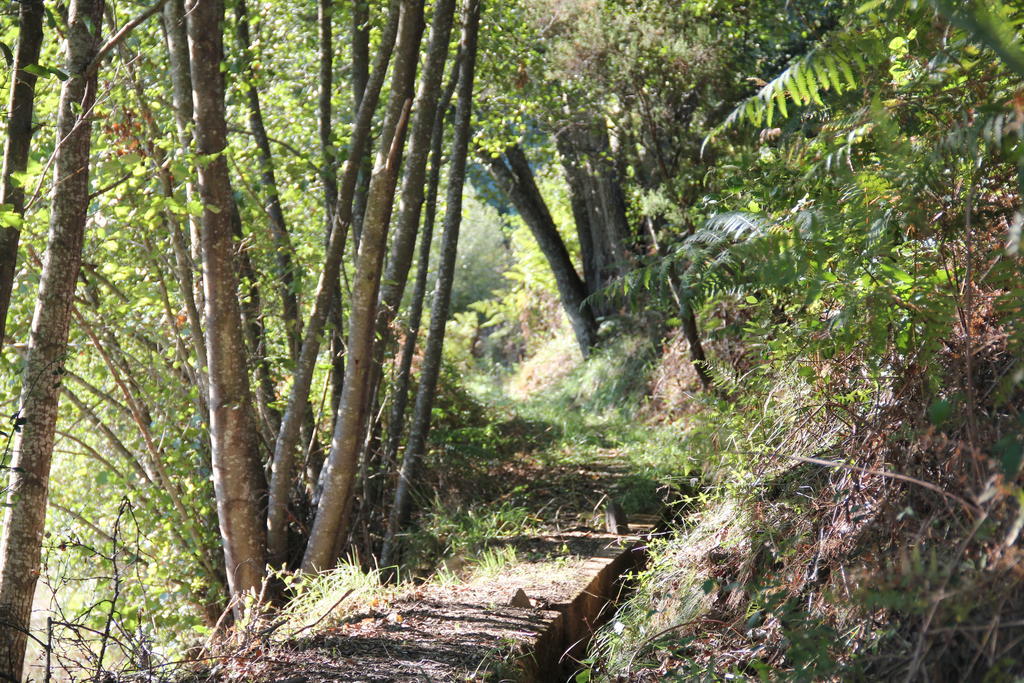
460	632
465	629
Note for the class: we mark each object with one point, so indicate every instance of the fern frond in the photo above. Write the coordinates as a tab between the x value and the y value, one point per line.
822	69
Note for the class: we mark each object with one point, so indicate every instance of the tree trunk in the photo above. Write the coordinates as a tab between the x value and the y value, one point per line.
33	448
254	333
411	204
442	294
173	20
360	49
360	75
516	180
288	435
285	273
237	475
400	390
16	148
598	205
339	472
176	36
697	357
325	124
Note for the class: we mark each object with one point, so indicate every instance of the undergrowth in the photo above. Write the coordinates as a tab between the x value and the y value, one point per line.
859	538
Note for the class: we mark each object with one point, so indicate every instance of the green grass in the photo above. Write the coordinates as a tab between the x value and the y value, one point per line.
326	598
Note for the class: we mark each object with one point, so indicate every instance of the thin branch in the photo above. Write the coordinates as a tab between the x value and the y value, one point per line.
114	40
287	147
82	520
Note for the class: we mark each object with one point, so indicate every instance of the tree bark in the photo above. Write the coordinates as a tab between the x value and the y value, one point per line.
697	357
400	390
360	76
16	147
28	485
442	294
288	435
254	333
598	204
516	180
285	273
413	185
360	49
325	123
590	153
338	474
176	37
237	475
410	207
185	252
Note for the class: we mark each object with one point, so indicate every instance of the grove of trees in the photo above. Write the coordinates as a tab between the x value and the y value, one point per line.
211	211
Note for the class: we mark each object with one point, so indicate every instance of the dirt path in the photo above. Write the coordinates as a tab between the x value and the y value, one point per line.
472	625
465	631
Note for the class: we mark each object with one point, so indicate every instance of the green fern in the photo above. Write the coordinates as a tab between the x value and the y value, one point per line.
803	83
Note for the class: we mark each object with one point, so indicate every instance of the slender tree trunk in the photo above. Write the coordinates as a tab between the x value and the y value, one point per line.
697	357
442	294
176	36
254	333
413	179
185	252
338	475
598	202
360	75
360	48
237	475
33	448
516	180
329	175
404	241
586	153
16	148
288	435
285	272
400	391
580	211
325	123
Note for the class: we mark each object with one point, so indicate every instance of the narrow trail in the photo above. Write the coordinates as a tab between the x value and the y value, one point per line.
470	631
528	620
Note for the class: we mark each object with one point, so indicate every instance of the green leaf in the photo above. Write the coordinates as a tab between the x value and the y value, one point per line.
799	86
781	99
37	70
939	412
898	44
832	71
8	56
869	5
8	218
1010	454
847	70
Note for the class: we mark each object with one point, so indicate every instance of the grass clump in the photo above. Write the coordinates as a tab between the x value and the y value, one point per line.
325	599
449	539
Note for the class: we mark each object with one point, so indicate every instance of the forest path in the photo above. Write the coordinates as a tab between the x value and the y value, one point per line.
522	608
468	630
